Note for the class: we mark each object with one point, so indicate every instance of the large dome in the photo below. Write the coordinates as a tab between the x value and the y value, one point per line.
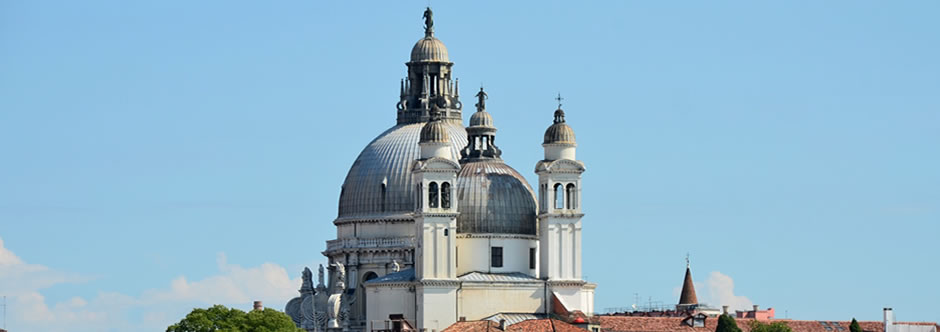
494	198
379	184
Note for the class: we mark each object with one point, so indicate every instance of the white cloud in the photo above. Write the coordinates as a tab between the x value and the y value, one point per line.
19	278
156	308
234	284
719	291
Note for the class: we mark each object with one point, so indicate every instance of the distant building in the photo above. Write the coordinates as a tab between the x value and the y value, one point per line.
630	322
756	313
890	325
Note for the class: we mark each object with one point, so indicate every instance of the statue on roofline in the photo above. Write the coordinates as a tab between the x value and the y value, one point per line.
428	21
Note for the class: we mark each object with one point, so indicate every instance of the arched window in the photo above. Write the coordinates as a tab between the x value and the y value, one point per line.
445	195
559	196
432	194
570	193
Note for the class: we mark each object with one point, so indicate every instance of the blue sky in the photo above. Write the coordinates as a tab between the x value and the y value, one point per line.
158	156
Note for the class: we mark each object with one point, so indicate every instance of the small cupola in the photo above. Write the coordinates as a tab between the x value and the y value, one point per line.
559	141
559	132
434	138
435	131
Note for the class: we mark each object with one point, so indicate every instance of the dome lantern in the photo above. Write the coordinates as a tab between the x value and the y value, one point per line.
481	134
429	81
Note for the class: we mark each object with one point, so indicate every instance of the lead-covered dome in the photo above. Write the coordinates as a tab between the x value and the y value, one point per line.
494	198
481	119
435	132
429	49
559	132
379	184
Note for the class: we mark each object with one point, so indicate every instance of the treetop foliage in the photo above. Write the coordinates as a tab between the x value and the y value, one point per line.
777	326
726	323
221	318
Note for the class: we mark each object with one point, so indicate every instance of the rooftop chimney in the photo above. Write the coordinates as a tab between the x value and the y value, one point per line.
889	320
258	306
502	324
724	309
756	308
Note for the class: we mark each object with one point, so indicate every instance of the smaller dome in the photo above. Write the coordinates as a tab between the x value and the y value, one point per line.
481	119
494	198
434	132
429	49
559	132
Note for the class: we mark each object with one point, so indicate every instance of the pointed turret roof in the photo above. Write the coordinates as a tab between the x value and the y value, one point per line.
688	289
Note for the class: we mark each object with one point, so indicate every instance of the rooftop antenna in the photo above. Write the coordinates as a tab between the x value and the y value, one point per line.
4	312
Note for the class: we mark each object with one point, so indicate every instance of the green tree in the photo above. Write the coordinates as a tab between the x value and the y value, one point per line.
220	318
726	323
854	327
778	326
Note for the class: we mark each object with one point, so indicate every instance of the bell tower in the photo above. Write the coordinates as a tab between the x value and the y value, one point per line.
435	178
560	203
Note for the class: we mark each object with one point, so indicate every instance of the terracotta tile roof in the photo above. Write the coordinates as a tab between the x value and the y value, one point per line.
818	326
543	325
651	324
474	326
667	324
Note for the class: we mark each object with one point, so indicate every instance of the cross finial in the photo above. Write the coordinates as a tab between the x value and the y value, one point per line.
688	264
559	99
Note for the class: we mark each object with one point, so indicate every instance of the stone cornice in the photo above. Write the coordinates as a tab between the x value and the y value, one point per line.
495	236
398	218
437	214
548	166
562	215
401	284
439	282
563	283
421	165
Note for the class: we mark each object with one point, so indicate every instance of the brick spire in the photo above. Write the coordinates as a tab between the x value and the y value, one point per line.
688	289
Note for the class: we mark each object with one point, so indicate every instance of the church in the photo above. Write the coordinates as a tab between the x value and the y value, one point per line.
434	227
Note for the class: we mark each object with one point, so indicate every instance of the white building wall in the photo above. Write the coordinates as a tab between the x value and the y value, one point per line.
478	301
437	250
576	297
474	254
559	151
384	300
437	307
